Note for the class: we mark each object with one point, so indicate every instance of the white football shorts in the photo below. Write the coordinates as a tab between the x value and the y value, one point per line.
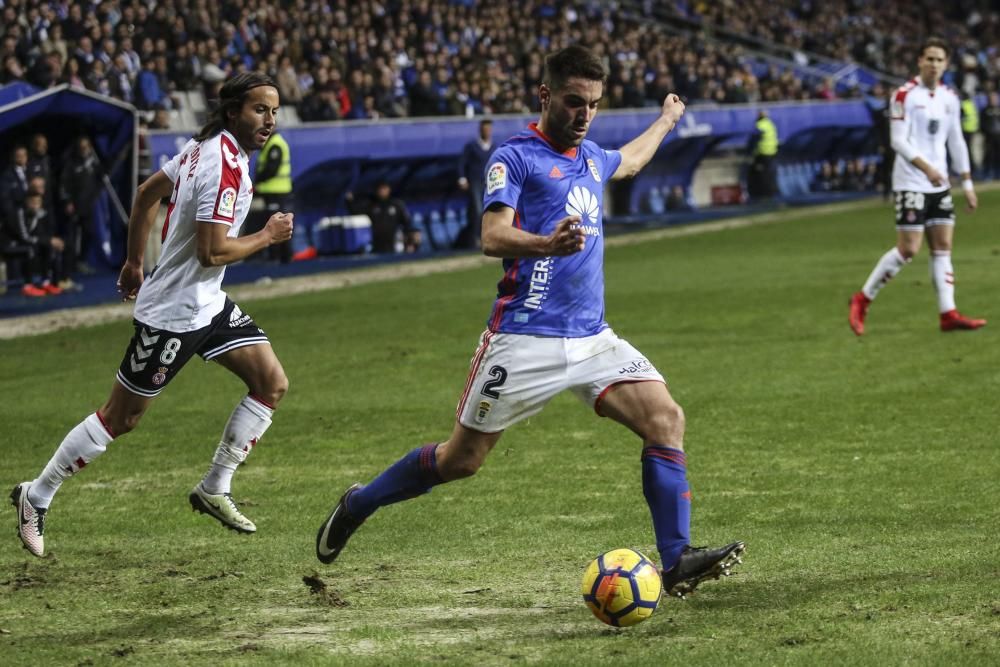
513	376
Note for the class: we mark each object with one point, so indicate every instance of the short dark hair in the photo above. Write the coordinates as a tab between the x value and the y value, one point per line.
574	61
232	95
935	42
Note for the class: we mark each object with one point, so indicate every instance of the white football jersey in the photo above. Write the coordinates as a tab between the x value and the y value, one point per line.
928	124
212	185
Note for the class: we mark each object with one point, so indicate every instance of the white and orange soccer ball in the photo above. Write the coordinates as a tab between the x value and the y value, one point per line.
622	587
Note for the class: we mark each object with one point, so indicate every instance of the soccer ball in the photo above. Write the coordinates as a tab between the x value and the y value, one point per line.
622	587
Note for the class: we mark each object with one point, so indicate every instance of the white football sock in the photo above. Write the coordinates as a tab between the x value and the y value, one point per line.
245	427
888	266
943	276
83	444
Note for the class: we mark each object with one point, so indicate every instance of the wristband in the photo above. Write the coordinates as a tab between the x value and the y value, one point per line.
967	185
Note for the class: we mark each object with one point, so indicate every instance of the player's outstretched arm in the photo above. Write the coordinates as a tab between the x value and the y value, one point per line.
217	248
502	239
637	153
140	222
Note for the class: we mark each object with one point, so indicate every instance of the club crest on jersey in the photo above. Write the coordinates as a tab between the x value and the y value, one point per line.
583	202
496	177
227	203
593	170
933	125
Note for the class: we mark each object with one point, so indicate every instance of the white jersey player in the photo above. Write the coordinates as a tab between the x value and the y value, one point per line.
925	126
181	309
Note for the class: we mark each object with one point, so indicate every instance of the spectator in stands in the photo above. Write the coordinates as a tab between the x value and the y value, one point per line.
288	83
79	187
28	243
827	179
14	182
677	200
471	180
764	147
12	70
424	99
149	94
991	134
389	216
71	74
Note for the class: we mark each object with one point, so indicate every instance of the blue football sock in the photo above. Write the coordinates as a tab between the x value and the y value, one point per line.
409	477
665	485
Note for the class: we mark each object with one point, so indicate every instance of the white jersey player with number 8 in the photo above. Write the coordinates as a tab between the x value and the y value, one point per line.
181	309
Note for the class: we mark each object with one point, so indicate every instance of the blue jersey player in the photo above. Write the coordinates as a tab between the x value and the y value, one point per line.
546	333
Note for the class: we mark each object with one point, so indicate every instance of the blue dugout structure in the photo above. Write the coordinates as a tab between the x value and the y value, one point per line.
63	113
419	156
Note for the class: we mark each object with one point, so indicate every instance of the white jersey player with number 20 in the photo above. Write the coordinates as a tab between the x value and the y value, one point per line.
181	309
925	126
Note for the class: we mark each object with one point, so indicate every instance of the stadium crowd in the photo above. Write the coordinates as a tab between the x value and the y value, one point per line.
368	58
884	36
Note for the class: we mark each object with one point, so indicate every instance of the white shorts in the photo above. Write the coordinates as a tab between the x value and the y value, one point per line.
513	376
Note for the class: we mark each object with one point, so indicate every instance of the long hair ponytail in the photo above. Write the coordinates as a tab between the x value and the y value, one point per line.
231	98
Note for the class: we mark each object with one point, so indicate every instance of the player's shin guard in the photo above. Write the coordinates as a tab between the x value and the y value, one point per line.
411	476
247	424
83	444
888	266
665	485
943	277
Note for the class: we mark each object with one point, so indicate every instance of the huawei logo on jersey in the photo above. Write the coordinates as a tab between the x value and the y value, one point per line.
583	202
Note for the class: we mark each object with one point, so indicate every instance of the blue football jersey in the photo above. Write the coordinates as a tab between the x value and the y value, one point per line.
551	296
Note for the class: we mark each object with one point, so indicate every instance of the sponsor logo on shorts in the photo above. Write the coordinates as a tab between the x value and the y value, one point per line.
238	319
161	376
227	203
638	366
496	177
483	411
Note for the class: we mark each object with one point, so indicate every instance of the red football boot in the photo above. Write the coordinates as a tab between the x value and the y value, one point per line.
51	288
955	321
859	308
305	255
31	290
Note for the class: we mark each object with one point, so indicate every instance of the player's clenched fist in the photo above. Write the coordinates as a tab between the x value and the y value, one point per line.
567	238
279	226
673	108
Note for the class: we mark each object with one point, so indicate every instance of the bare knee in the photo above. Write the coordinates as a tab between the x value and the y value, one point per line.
666	426
274	388
460	467
908	251
120	421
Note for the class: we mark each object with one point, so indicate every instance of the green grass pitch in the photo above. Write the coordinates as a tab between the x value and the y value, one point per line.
864	475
